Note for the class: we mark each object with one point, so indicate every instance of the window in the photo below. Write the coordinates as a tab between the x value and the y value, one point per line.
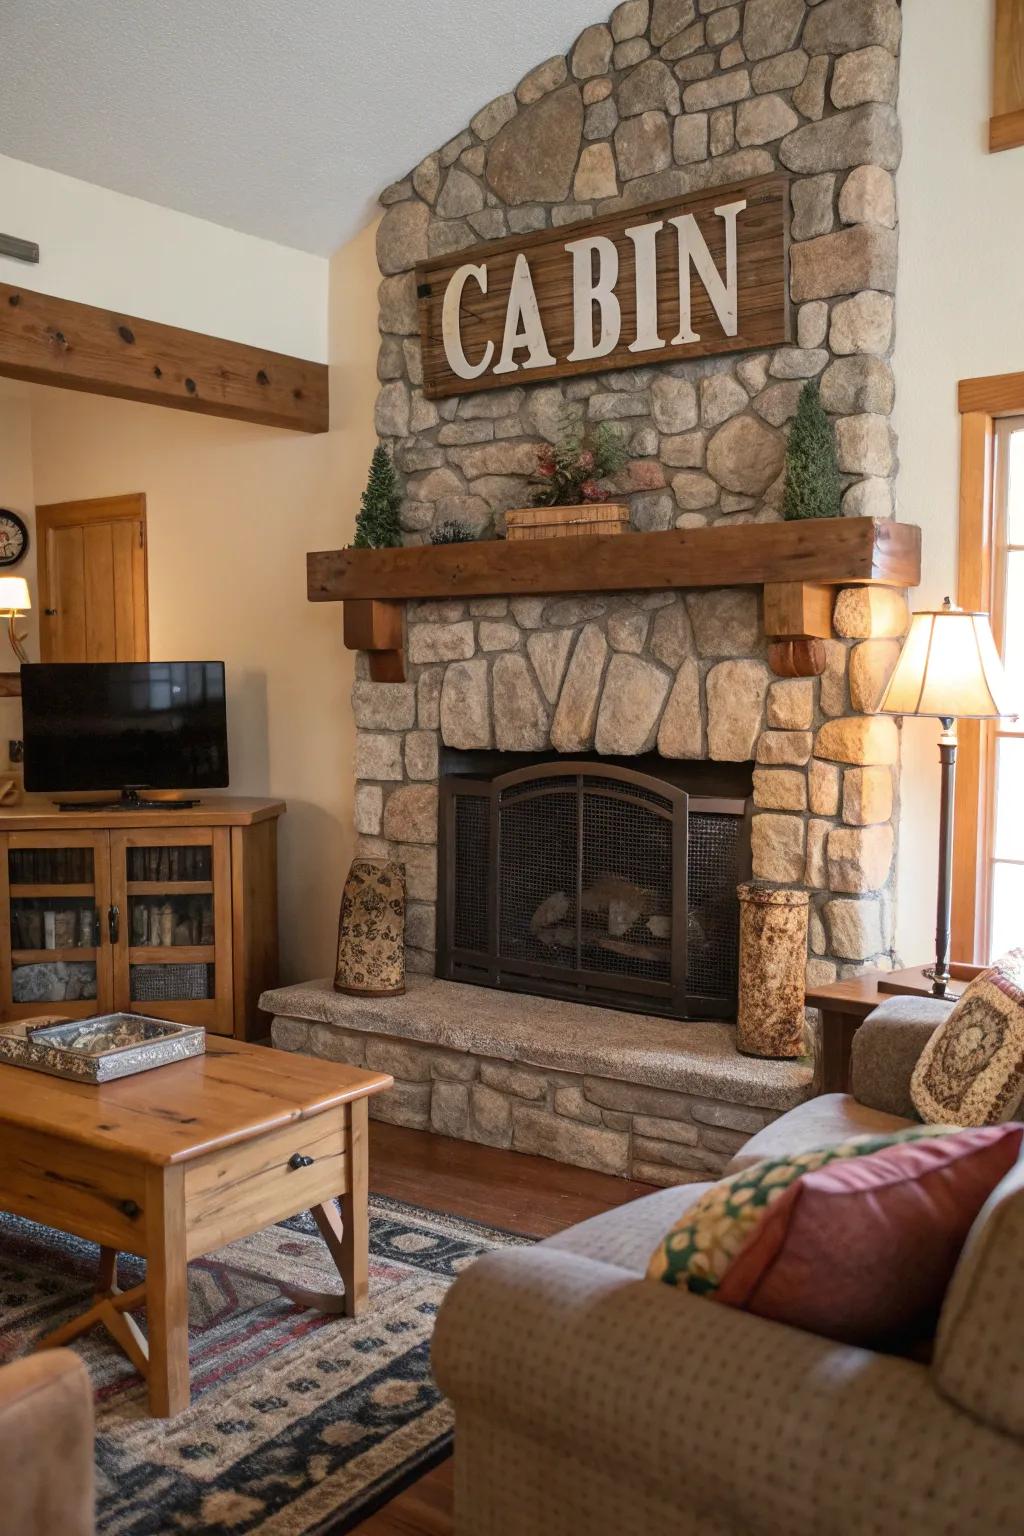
1002	846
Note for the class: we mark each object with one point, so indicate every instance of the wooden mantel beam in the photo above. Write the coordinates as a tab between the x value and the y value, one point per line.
839	551
46	340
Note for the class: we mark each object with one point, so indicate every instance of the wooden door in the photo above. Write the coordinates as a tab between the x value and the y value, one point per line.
55	951
92	580
170	892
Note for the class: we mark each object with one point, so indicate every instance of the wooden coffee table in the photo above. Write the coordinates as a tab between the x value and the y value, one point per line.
173	1163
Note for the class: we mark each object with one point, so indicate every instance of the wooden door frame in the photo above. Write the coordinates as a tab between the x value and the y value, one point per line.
981	402
100	509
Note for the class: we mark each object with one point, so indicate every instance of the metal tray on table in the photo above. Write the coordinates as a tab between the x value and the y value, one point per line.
100	1049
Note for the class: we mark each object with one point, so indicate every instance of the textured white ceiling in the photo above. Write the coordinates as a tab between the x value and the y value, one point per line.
281	118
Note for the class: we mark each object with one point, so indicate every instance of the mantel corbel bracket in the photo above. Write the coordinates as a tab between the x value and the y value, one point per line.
375	626
797	621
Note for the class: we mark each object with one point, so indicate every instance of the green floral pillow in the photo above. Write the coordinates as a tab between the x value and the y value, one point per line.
703	1243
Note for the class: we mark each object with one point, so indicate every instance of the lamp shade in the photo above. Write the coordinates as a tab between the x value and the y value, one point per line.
14	595
950	669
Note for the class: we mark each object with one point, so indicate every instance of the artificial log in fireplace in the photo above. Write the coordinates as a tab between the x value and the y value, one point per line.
595	880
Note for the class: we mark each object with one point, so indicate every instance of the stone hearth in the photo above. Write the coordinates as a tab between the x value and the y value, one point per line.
643	1097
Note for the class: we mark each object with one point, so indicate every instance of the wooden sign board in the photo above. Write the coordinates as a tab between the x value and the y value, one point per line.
687	277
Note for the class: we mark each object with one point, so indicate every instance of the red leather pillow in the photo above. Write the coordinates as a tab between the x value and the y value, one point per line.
862	1250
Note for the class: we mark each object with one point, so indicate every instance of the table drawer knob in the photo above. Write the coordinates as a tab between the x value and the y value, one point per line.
130	1209
300	1160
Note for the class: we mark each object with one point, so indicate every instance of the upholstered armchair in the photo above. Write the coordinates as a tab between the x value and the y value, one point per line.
590	1399
46	1447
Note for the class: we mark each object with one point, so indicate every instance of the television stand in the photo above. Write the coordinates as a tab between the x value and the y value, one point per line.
128	800
170	913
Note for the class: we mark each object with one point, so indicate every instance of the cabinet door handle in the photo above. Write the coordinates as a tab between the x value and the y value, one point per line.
300	1160
114	923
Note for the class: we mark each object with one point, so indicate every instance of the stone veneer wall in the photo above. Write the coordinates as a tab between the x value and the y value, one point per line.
670	97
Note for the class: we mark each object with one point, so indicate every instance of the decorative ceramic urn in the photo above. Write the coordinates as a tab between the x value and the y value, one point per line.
371	930
773	960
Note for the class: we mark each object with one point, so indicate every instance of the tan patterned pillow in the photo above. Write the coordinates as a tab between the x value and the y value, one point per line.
971	1072
697	1251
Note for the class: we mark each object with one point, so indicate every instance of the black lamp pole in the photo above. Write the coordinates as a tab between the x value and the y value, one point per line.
947	754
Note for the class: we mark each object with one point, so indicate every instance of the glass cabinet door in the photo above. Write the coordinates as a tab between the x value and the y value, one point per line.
170	922
55	887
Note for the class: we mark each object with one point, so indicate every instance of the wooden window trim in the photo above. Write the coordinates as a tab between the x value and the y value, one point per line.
981	402
1006	125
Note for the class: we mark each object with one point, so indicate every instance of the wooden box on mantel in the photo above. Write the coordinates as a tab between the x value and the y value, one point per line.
601	517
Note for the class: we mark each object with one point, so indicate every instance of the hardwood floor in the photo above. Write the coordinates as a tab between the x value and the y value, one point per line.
506	1189
524	1194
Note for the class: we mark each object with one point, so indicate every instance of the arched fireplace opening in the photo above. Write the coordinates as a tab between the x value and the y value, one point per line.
609	881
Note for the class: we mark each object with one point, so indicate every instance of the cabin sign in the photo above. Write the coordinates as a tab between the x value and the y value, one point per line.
689	278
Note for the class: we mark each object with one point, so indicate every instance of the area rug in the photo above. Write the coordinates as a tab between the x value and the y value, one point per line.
301	1424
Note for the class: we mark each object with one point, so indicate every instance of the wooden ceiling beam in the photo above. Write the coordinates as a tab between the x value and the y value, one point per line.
47	340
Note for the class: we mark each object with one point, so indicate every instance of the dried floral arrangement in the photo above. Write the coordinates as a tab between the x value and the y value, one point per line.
571	472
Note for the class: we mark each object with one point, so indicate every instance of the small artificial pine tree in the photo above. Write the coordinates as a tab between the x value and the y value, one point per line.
813	487
377	525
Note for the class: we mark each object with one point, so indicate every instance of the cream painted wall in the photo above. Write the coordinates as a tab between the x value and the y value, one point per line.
18	495
232	510
100	247
960	313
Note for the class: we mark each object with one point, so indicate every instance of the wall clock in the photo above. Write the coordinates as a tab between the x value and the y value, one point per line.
13	537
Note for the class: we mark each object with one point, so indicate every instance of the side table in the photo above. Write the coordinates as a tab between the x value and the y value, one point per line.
845	1005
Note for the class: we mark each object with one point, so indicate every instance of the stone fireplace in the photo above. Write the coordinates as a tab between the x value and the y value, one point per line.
676	679
666	98
679	674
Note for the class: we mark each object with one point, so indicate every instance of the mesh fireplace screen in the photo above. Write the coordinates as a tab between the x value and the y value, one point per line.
591	881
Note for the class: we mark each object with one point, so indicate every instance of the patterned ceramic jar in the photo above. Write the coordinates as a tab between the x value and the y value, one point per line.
371	930
773	960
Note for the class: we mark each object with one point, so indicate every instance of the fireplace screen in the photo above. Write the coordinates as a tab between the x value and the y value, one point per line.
596	882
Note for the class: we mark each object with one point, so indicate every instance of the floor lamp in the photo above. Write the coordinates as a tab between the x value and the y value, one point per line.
949	670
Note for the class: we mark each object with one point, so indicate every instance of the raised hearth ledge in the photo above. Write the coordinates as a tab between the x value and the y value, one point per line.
645	1098
690	1057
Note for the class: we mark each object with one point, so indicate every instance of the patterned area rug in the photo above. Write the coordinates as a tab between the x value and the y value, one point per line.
301	1424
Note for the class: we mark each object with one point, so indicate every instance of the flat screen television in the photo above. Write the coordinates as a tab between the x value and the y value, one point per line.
124	725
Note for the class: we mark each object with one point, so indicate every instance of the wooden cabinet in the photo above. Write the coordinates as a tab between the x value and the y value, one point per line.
171	913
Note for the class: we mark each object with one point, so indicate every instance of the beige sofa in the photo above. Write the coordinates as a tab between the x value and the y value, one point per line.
46	1447
588	1399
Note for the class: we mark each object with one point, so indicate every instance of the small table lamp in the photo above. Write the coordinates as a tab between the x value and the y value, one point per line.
949	670
14	600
